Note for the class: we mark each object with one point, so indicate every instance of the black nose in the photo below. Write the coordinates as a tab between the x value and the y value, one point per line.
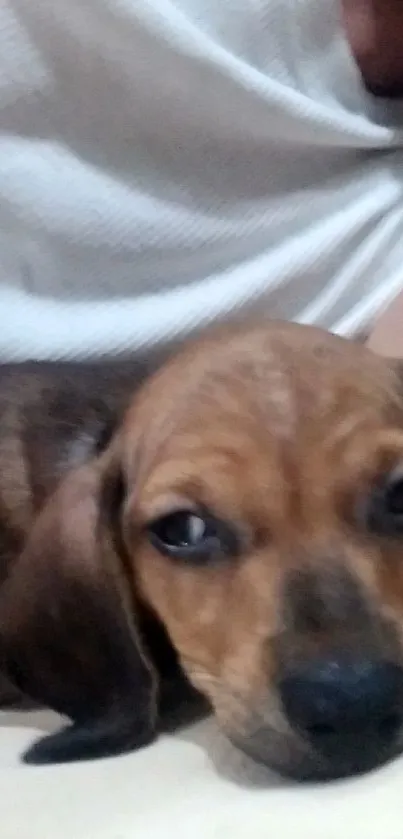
347	707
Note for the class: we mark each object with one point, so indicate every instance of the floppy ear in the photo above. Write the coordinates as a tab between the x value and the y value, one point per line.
68	638
395	365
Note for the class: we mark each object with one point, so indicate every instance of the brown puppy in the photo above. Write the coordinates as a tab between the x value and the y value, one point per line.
250	506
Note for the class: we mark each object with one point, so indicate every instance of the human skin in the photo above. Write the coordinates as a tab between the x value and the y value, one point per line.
386	336
374	29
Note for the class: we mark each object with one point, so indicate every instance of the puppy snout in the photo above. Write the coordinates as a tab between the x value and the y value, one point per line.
348	708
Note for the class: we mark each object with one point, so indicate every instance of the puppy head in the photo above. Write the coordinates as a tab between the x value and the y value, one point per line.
263	520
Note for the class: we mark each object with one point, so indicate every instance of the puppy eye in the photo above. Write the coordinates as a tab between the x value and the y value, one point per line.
386	508
193	537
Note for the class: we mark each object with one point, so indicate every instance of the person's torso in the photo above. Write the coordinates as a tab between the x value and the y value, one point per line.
163	164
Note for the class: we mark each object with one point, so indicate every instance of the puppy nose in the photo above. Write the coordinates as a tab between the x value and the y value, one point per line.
341	703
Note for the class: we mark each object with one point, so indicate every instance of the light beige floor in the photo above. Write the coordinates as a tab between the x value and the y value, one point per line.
191	786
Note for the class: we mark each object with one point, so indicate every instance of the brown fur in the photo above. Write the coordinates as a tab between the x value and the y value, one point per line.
280	430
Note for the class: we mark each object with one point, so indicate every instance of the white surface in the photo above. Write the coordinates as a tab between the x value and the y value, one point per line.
166	162
191	786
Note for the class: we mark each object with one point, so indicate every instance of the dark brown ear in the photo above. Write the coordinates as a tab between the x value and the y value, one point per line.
395	365
68	639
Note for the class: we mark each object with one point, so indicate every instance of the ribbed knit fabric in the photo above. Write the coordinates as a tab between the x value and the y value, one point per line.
166	163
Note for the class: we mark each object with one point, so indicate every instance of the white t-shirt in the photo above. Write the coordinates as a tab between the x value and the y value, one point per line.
165	163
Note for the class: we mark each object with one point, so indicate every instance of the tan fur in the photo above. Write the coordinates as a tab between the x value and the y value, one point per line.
282	431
